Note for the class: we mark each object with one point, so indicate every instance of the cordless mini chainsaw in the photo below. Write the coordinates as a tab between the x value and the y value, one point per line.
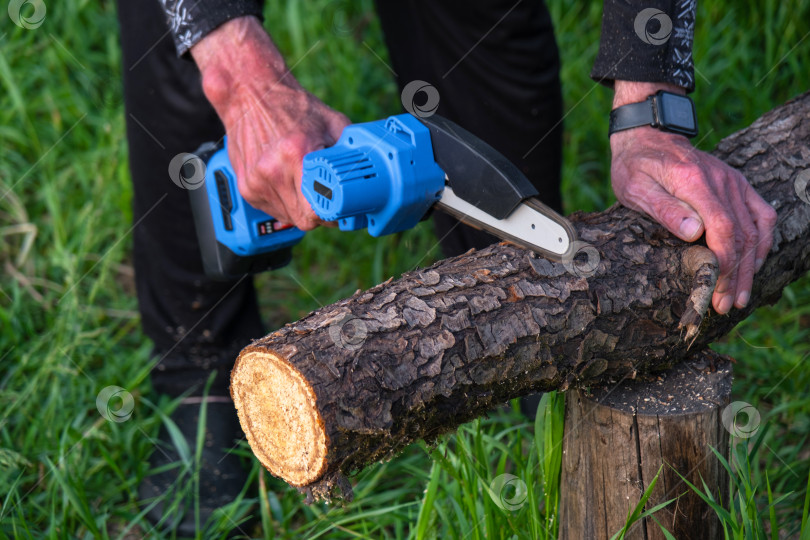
383	176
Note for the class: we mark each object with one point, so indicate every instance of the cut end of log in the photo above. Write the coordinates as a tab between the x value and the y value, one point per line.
278	413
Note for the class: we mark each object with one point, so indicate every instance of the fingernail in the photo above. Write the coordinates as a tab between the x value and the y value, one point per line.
742	298
689	227
759	264
725	304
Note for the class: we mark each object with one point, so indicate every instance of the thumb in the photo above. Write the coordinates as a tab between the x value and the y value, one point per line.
676	215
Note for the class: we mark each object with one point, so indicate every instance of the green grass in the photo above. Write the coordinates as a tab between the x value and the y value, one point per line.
69	325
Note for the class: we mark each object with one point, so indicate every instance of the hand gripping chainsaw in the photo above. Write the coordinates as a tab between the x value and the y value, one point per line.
384	176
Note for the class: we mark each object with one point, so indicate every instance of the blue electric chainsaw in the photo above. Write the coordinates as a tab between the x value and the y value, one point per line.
383	176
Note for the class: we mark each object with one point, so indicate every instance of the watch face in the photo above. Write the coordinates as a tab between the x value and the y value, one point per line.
676	113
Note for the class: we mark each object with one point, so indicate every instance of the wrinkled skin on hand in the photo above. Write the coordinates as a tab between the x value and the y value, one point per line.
266	148
691	192
270	119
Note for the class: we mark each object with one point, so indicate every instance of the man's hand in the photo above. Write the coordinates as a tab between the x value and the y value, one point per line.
271	121
689	191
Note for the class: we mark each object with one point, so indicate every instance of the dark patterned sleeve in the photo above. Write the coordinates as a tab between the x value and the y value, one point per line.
190	20
647	41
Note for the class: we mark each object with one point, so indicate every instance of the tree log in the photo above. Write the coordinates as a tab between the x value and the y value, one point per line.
356	381
618	437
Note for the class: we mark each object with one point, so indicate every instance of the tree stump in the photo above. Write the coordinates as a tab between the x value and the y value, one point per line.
618	436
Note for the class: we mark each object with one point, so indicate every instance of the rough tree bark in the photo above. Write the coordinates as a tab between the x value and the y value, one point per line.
356	381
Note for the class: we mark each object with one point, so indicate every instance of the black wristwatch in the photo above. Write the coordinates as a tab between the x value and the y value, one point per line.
663	110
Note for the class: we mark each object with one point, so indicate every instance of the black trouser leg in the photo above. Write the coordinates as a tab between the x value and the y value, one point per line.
197	324
496	66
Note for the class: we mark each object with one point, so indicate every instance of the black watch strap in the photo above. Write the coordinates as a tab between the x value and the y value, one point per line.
663	110
632	115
